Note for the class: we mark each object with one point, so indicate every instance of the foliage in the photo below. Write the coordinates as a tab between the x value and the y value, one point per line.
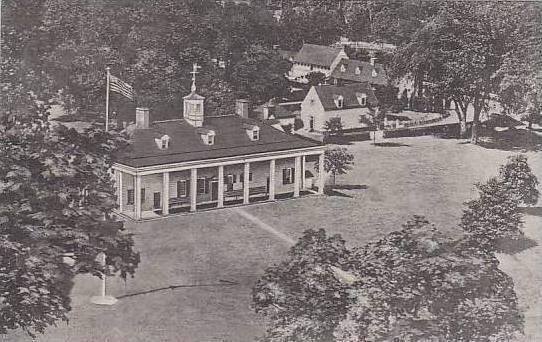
288	128
334	127
337	161
309	24
301	296
520	181
460	49
413	284
259	75
493	215
316	78
56	198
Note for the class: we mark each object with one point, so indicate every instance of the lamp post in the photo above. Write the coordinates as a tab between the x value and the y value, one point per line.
103	298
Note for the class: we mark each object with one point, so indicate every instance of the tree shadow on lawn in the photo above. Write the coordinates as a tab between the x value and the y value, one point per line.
390	144
514	246
533	211
511	140
331	190
221	282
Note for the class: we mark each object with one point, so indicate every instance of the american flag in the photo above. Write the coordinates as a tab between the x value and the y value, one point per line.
119	86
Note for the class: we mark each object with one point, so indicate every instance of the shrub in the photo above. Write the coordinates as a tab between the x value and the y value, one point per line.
493	215
520	180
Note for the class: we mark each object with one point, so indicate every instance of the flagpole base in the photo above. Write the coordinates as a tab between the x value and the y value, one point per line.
103	300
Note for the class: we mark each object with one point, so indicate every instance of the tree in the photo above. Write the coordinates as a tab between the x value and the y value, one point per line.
301	296
493	215
337	161
517	176
414	284
333	127
260	75
316	78
375	120
460	50
56	199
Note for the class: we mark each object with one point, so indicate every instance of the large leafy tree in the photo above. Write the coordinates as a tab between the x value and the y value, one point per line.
413	284
260	75
461	50
56	199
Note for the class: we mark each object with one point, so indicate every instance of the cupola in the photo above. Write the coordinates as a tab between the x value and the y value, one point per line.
193	103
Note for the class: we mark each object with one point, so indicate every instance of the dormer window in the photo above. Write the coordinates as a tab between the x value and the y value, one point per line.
358	71
375	73
163	142
253	132
362	99
339	101
343	68
207	136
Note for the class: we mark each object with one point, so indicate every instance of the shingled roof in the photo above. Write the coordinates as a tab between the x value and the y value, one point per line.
317	55
186	144
349	92
366	72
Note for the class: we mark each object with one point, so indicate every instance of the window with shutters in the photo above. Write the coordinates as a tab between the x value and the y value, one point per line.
142	195
182	189
288	175
202	186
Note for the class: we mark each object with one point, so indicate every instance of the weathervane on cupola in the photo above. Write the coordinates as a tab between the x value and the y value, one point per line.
194	71
193	103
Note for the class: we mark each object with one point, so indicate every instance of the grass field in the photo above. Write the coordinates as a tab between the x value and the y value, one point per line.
194	282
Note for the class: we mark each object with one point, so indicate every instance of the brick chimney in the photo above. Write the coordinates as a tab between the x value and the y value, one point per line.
242	107
142	118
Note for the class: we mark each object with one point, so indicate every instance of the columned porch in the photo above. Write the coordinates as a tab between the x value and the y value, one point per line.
142	195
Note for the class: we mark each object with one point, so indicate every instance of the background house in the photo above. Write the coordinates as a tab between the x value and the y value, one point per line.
348	102
355	71
315	58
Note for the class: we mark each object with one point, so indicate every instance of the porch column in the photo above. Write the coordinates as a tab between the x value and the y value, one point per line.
321	174
165	193
137	197
272	180
193	188
246	184
297	176
303	172
220	186
120	192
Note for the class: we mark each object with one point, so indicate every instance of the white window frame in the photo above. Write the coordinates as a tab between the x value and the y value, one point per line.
289	179
204	186
185	194
210	139
358	71
255	134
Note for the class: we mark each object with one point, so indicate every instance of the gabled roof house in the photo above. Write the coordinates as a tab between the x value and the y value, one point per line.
198	161
349	103
315	58
354	71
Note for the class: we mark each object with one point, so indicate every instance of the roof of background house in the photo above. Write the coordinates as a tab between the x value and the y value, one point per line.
283	112
186	144
366	72
317	55
328	93
287	54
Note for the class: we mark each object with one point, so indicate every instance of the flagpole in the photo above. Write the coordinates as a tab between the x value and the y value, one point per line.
108	69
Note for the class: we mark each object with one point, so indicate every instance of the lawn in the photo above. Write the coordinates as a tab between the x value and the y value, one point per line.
197	270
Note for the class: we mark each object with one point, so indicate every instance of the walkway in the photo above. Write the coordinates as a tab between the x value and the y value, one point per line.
264	226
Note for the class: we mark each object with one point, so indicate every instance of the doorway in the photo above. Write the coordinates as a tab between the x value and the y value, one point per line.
157	200
214	191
